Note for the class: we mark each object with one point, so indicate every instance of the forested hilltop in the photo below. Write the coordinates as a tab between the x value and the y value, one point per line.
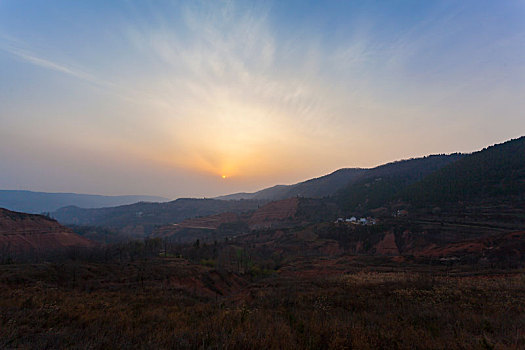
495	171
489	174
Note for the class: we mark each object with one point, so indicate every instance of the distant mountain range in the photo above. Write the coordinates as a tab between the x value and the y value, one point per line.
458	206
495	171
40	202
141	218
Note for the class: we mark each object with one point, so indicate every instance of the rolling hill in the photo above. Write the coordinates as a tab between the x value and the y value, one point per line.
496	171
314	188
140	218
380	185
426	181
408	171
275	214
491	174
22	233
39	202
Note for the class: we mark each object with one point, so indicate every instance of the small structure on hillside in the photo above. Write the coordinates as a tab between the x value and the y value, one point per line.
401	213
355	221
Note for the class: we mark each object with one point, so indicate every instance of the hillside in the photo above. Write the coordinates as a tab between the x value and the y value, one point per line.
495	171
490	175
39	202
314	188
407	171
140	219
30	233
281	213
420	182
377	186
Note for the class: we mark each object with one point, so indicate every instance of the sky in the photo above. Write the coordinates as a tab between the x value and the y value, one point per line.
203	98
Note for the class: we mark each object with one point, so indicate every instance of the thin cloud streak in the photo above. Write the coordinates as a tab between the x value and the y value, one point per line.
53	66
133	95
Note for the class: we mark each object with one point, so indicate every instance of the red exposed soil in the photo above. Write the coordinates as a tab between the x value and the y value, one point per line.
452	249
387	246
20	232
274	212
264	217
208	223
501	245
205	282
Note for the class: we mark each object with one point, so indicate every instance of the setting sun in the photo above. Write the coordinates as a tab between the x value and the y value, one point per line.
262	174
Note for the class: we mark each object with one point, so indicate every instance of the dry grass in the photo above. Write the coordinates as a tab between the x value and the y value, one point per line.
170	303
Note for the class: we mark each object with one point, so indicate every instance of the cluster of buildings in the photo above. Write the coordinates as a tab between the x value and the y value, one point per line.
355	221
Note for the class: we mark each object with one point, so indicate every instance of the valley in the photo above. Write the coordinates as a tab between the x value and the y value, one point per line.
418	271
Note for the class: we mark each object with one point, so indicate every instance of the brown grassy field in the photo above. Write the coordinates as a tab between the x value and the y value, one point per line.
173	303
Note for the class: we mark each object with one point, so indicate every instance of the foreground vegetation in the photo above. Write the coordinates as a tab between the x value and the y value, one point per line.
168	302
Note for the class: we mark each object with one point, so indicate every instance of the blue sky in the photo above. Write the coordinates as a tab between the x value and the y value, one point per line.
168	97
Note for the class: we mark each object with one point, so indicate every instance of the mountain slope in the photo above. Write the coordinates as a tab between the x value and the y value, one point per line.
378	185
38	202
271	215
495	171
29	233
407	171
141	218
314	188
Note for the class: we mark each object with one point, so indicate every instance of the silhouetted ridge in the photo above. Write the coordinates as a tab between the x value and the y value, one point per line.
379	185
494	171
314	188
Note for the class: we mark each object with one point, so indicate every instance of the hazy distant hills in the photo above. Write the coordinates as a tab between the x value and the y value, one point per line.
496	171
141	218
458	206
314	188
39	202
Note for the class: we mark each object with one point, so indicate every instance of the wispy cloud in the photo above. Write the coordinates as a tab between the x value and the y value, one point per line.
32	58
247	88
236	82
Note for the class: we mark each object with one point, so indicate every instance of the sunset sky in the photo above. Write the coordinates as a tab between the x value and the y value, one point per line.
202	98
